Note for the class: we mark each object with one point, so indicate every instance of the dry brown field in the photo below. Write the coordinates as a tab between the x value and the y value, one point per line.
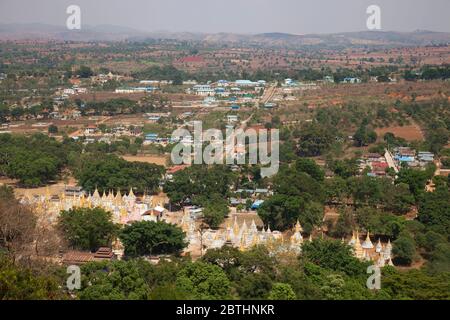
155	159
409	133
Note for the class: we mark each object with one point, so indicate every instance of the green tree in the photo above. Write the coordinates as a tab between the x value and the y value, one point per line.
22	283
204	281
215	211
149	237
87	229
314	140
404	250
282	291
52	129
199	182
109	172
344	225
114	280
281	212
310	167
415	179
85	72
333	255
434	210
415	284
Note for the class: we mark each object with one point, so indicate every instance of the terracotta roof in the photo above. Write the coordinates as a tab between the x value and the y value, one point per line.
176	169
380	164
103	253
77	257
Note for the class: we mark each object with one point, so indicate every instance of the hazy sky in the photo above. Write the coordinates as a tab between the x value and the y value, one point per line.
240	16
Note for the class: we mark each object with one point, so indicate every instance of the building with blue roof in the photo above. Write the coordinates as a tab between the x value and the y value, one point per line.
151	137
257	204
404	158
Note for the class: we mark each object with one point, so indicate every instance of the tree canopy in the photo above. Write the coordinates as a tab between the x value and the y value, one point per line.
87	229
149	237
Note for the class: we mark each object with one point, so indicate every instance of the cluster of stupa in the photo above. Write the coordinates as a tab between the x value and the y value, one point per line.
124	208
380	254
128	208
242	236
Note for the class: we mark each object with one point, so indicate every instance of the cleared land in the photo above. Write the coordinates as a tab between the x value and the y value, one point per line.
409	133
159	160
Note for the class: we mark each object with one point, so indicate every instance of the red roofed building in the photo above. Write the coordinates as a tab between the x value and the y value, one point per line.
379	164
174	169
379	168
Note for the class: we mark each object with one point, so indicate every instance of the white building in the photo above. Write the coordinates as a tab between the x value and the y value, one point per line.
231	118
203	90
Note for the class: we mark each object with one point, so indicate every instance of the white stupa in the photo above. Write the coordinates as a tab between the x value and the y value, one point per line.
367	244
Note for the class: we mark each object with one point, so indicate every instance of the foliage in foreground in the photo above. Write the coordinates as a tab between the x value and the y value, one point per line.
226	273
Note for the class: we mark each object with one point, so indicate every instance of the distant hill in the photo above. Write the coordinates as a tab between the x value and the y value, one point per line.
116	33
369	38
87	33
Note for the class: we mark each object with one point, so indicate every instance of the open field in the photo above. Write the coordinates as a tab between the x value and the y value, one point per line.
159	160
332	95
409	133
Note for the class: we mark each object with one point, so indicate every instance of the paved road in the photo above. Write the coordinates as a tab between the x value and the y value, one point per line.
268	94
390	160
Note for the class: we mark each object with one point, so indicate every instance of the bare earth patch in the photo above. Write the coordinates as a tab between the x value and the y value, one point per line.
409	133
159	160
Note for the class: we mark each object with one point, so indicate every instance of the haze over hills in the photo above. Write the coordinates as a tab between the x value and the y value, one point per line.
118	33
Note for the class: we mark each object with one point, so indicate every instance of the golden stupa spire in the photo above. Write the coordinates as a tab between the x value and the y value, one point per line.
229	235
244	226
235	227
359	252
82	200
96	193
243	242
255	240
118	198
298	227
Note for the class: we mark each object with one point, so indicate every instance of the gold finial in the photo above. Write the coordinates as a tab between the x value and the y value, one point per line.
255	240
96	194
236	227
298	227
243	242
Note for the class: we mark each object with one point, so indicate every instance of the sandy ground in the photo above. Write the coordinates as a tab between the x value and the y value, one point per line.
52	189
